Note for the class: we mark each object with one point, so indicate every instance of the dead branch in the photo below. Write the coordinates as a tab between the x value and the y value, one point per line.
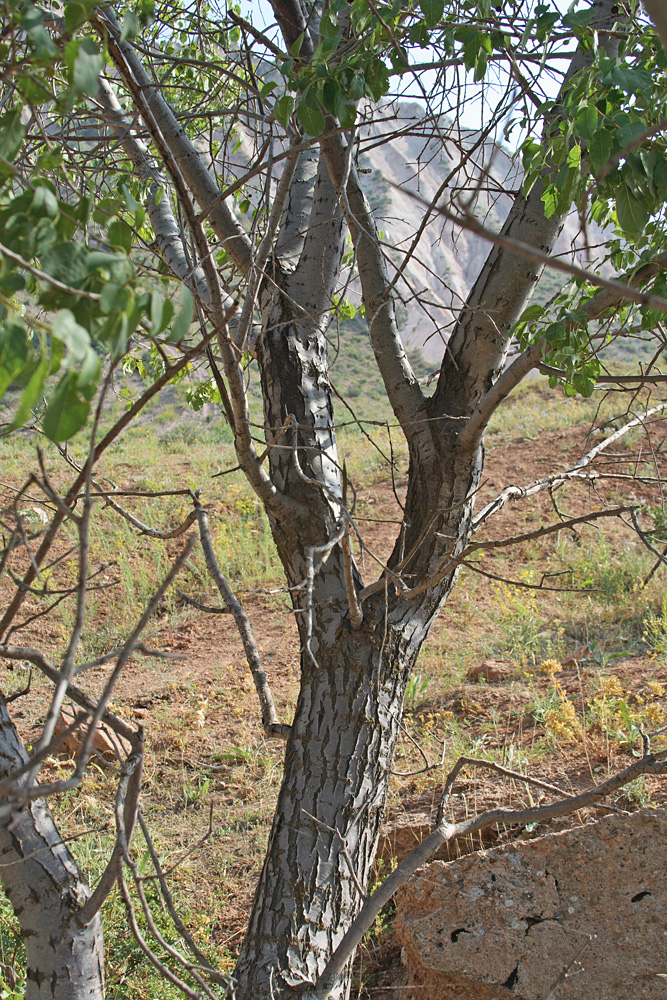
160	654
8	784
550	529
356	614
170	372
558	478
163	969
201	607
127	806
270	722
161	877
38	660
621	290
645	541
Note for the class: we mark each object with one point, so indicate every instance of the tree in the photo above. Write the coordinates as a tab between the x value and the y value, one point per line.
140	175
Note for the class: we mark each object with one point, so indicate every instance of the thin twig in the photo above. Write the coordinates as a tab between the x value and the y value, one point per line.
271	723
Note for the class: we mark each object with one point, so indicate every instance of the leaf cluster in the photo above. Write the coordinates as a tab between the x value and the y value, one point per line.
69	292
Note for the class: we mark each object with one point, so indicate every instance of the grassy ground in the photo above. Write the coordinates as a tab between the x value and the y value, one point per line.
584	664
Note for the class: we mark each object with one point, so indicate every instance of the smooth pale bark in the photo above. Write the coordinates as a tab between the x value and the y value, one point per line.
657	11
64	959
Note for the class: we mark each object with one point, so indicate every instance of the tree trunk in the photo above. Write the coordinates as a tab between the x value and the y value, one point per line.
329	811
337	768
64	960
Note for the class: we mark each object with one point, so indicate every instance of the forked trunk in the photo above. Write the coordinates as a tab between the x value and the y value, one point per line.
338	766
64	959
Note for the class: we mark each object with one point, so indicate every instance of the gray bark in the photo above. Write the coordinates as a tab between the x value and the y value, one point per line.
64	959
658	14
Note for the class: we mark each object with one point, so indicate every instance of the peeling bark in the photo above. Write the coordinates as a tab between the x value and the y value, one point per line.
64	959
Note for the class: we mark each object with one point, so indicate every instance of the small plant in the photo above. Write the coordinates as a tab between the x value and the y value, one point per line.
603	568
521	624
195	793
416	689
624	717
654	631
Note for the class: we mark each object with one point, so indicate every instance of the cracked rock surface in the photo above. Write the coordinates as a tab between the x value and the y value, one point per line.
582	913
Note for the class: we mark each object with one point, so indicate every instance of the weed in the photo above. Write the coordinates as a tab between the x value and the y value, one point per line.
416	689
655	631
606	570
195	793
520	624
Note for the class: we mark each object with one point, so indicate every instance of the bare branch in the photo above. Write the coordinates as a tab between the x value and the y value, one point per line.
189	163
576	472
271	723
127	805
356	614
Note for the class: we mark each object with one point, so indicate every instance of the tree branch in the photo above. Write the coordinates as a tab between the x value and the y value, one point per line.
271	723
191	165
402	387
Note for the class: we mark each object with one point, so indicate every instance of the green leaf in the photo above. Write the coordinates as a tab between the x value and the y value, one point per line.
296	46
89	373
66	411
33	23
586	122
328	29
67	263
660	179
346	110
578	18
480	65
131	26
119	235
600	149
629	79
267	89
432	10
530	314
115	299
11	132
87	68
44	203
31	394
632	213
183	318
583	385
628	133
75	338
77	12
15	351
310	115
283	109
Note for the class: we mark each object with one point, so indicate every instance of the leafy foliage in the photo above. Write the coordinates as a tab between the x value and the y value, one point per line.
69	291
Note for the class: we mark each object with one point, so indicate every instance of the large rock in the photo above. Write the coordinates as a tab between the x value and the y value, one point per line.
108	747
585	909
